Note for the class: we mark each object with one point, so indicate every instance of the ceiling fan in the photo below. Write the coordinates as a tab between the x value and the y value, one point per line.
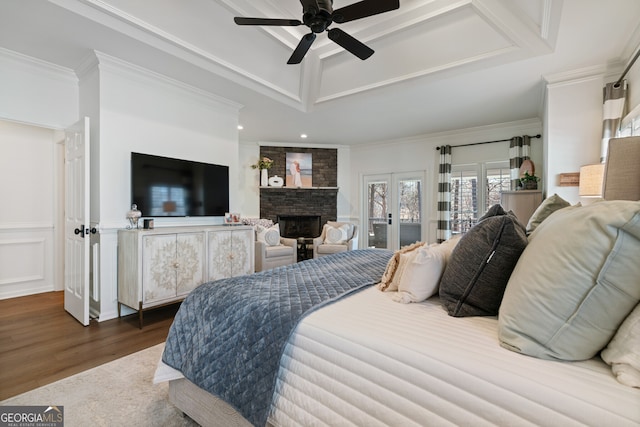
318	15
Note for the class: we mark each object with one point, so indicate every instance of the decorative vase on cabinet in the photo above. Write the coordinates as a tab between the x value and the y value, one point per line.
264	178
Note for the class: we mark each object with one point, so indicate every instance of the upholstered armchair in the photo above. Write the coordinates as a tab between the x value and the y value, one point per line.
336	237
272	250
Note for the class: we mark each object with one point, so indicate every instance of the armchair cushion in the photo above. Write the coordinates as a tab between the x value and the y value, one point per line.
270	236
326	249
279	250
268	257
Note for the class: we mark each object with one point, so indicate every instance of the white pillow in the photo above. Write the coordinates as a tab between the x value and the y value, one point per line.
350	227
421	277
404	260
336	235
623	352
448	246
269	236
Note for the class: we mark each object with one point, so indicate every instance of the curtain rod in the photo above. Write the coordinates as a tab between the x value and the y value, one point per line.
489	142
626	70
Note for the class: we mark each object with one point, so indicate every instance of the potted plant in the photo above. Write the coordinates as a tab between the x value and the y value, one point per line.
529	182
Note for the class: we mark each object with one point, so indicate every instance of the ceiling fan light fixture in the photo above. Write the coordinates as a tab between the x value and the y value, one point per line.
318	15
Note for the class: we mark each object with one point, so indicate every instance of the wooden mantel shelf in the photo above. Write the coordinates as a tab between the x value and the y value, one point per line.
299	188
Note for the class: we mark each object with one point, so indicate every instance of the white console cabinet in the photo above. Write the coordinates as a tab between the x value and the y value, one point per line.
161	266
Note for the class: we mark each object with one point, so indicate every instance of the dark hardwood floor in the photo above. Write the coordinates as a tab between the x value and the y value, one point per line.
41	343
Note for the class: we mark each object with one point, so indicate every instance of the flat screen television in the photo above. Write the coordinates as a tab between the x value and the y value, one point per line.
167	187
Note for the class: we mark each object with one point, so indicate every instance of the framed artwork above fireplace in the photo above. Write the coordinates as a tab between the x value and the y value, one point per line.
299	170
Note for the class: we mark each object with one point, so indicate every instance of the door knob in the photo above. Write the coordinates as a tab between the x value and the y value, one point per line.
82	231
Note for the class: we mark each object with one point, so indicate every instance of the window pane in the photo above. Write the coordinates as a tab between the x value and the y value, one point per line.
464	200
409	202
498	180
377	206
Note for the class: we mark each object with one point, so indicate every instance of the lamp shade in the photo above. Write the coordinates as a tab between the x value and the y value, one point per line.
591	177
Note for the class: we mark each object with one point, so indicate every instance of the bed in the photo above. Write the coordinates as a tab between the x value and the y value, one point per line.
360	357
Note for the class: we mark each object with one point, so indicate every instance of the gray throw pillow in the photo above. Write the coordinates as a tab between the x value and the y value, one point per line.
546	208
479	268
575	283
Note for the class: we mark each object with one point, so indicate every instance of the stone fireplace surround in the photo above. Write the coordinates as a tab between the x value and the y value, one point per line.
304	203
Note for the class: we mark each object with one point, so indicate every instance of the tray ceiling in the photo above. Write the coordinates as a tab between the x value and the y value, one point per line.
438	65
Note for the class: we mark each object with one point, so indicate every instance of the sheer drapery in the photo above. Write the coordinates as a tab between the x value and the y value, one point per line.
613	107
443	231
519	151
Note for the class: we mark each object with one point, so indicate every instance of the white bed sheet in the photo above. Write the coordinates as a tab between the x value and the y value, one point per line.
369	361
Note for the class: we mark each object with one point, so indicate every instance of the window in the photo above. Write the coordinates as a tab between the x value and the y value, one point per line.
498	179
464	198
474	189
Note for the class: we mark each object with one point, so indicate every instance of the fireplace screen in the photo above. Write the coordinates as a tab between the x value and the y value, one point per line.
295	226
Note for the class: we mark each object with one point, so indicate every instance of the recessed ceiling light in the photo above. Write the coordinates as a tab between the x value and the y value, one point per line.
240	127
304	135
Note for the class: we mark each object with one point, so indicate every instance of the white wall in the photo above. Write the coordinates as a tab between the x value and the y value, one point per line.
143	112
138	110
46	96
572	131
27	212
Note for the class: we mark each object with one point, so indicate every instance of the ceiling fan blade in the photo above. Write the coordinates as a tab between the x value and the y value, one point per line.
354	46
302	48
363	8
267	21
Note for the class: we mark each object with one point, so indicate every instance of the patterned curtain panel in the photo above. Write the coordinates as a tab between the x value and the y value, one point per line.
519	151
613	108
443	231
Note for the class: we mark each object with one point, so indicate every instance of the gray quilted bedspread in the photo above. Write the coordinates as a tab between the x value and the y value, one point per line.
229	335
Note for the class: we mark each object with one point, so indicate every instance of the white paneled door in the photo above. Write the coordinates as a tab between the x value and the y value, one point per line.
76	223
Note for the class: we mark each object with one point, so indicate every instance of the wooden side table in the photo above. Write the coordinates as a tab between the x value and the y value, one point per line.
523	203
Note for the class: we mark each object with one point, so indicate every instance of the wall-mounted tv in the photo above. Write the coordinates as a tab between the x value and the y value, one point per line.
167	187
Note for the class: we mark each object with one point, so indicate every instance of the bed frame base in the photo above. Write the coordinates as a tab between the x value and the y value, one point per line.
203	407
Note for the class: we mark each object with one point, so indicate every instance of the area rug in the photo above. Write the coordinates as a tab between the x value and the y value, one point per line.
118	393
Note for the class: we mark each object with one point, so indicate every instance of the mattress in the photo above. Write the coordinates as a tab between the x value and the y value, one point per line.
369	361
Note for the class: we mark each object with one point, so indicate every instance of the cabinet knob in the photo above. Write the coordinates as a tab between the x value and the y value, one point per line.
230	256
176	264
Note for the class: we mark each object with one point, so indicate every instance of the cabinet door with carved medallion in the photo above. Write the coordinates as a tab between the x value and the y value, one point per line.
158	268
172	265
230	253
242	248
190	259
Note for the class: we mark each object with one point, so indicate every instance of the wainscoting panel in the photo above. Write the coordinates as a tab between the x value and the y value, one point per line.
26	260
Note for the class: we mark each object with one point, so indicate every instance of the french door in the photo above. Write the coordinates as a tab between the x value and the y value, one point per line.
393	209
